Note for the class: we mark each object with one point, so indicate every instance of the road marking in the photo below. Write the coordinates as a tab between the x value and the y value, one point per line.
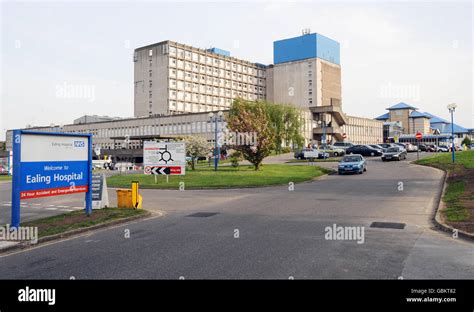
77	207
63	206
52	208
6	205
66	209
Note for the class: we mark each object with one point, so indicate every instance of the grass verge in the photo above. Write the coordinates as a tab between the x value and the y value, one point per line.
459	193
5	178
332	159
225	177
78	219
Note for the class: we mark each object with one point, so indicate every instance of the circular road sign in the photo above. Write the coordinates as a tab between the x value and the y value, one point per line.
419	136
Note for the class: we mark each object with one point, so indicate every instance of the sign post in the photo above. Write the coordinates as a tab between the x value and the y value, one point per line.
418	137
164	158
50	164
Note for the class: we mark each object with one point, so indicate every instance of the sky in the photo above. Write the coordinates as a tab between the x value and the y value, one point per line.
64	59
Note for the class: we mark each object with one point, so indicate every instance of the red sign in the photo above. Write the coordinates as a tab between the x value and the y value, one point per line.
419	136
53	192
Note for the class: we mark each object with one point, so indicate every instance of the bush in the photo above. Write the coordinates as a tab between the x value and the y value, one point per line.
235	157
286	149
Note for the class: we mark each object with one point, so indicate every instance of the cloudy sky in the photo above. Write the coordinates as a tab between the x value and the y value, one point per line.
64	59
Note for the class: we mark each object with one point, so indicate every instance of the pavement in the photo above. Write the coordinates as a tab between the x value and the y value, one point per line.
269	232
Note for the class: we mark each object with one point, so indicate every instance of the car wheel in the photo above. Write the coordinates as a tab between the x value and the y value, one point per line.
362	171
336	154
339	172
365	168
372	154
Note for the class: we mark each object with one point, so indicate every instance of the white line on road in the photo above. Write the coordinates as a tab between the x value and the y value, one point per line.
52	208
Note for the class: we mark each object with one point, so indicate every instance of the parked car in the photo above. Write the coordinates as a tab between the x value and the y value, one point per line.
431	148
364	150
332	150
310	152
411	147
352	164
400	145
377	146
394	153
387	145
441	148
471	147
422	147
343	145
3	170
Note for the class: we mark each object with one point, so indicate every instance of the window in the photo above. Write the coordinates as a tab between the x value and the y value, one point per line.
150	52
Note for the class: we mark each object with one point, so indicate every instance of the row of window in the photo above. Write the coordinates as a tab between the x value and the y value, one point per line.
217	71
213	99
208	60
173	73
203	88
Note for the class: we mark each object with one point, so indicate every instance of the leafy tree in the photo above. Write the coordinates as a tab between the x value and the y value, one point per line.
196	146
466	141
286	122
252	117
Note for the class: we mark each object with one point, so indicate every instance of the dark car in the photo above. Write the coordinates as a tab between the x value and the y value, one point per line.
422	147
394	153
377	146
352	164
387	145
364	150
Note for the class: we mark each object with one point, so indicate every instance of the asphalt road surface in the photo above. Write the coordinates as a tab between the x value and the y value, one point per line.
269	232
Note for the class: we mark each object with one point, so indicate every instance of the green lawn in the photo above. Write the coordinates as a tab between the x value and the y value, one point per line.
460	175
331	159
5	178
226	176
444	161
78	219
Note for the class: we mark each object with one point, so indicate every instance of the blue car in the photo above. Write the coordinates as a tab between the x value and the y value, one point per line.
354	163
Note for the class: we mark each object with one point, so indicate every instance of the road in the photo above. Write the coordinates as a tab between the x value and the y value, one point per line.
281	234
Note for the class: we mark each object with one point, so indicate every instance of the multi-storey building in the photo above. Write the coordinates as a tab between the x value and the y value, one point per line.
410	121
176	86
173	78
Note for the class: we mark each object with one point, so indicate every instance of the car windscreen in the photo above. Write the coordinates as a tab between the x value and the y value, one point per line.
351	159
392	150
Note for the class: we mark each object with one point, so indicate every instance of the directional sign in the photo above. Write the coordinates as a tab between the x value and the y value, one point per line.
419	136
166	158
50	164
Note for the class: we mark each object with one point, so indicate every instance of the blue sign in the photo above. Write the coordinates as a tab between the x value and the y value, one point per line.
50	164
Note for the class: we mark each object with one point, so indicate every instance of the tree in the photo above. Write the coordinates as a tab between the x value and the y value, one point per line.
286	122
252	117
196	146
466	141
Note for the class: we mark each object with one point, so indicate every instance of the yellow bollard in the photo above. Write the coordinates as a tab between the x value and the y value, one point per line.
136	197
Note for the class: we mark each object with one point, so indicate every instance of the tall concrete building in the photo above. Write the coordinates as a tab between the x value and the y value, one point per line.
307	74
173	78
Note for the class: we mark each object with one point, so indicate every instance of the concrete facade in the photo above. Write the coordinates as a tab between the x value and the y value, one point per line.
174	78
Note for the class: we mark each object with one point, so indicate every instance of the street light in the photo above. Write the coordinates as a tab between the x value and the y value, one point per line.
452	108
216	118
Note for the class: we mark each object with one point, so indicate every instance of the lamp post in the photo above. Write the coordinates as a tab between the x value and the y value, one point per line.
323	139
452	108
216	118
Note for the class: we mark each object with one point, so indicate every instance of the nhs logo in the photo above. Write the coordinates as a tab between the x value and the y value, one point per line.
79	144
